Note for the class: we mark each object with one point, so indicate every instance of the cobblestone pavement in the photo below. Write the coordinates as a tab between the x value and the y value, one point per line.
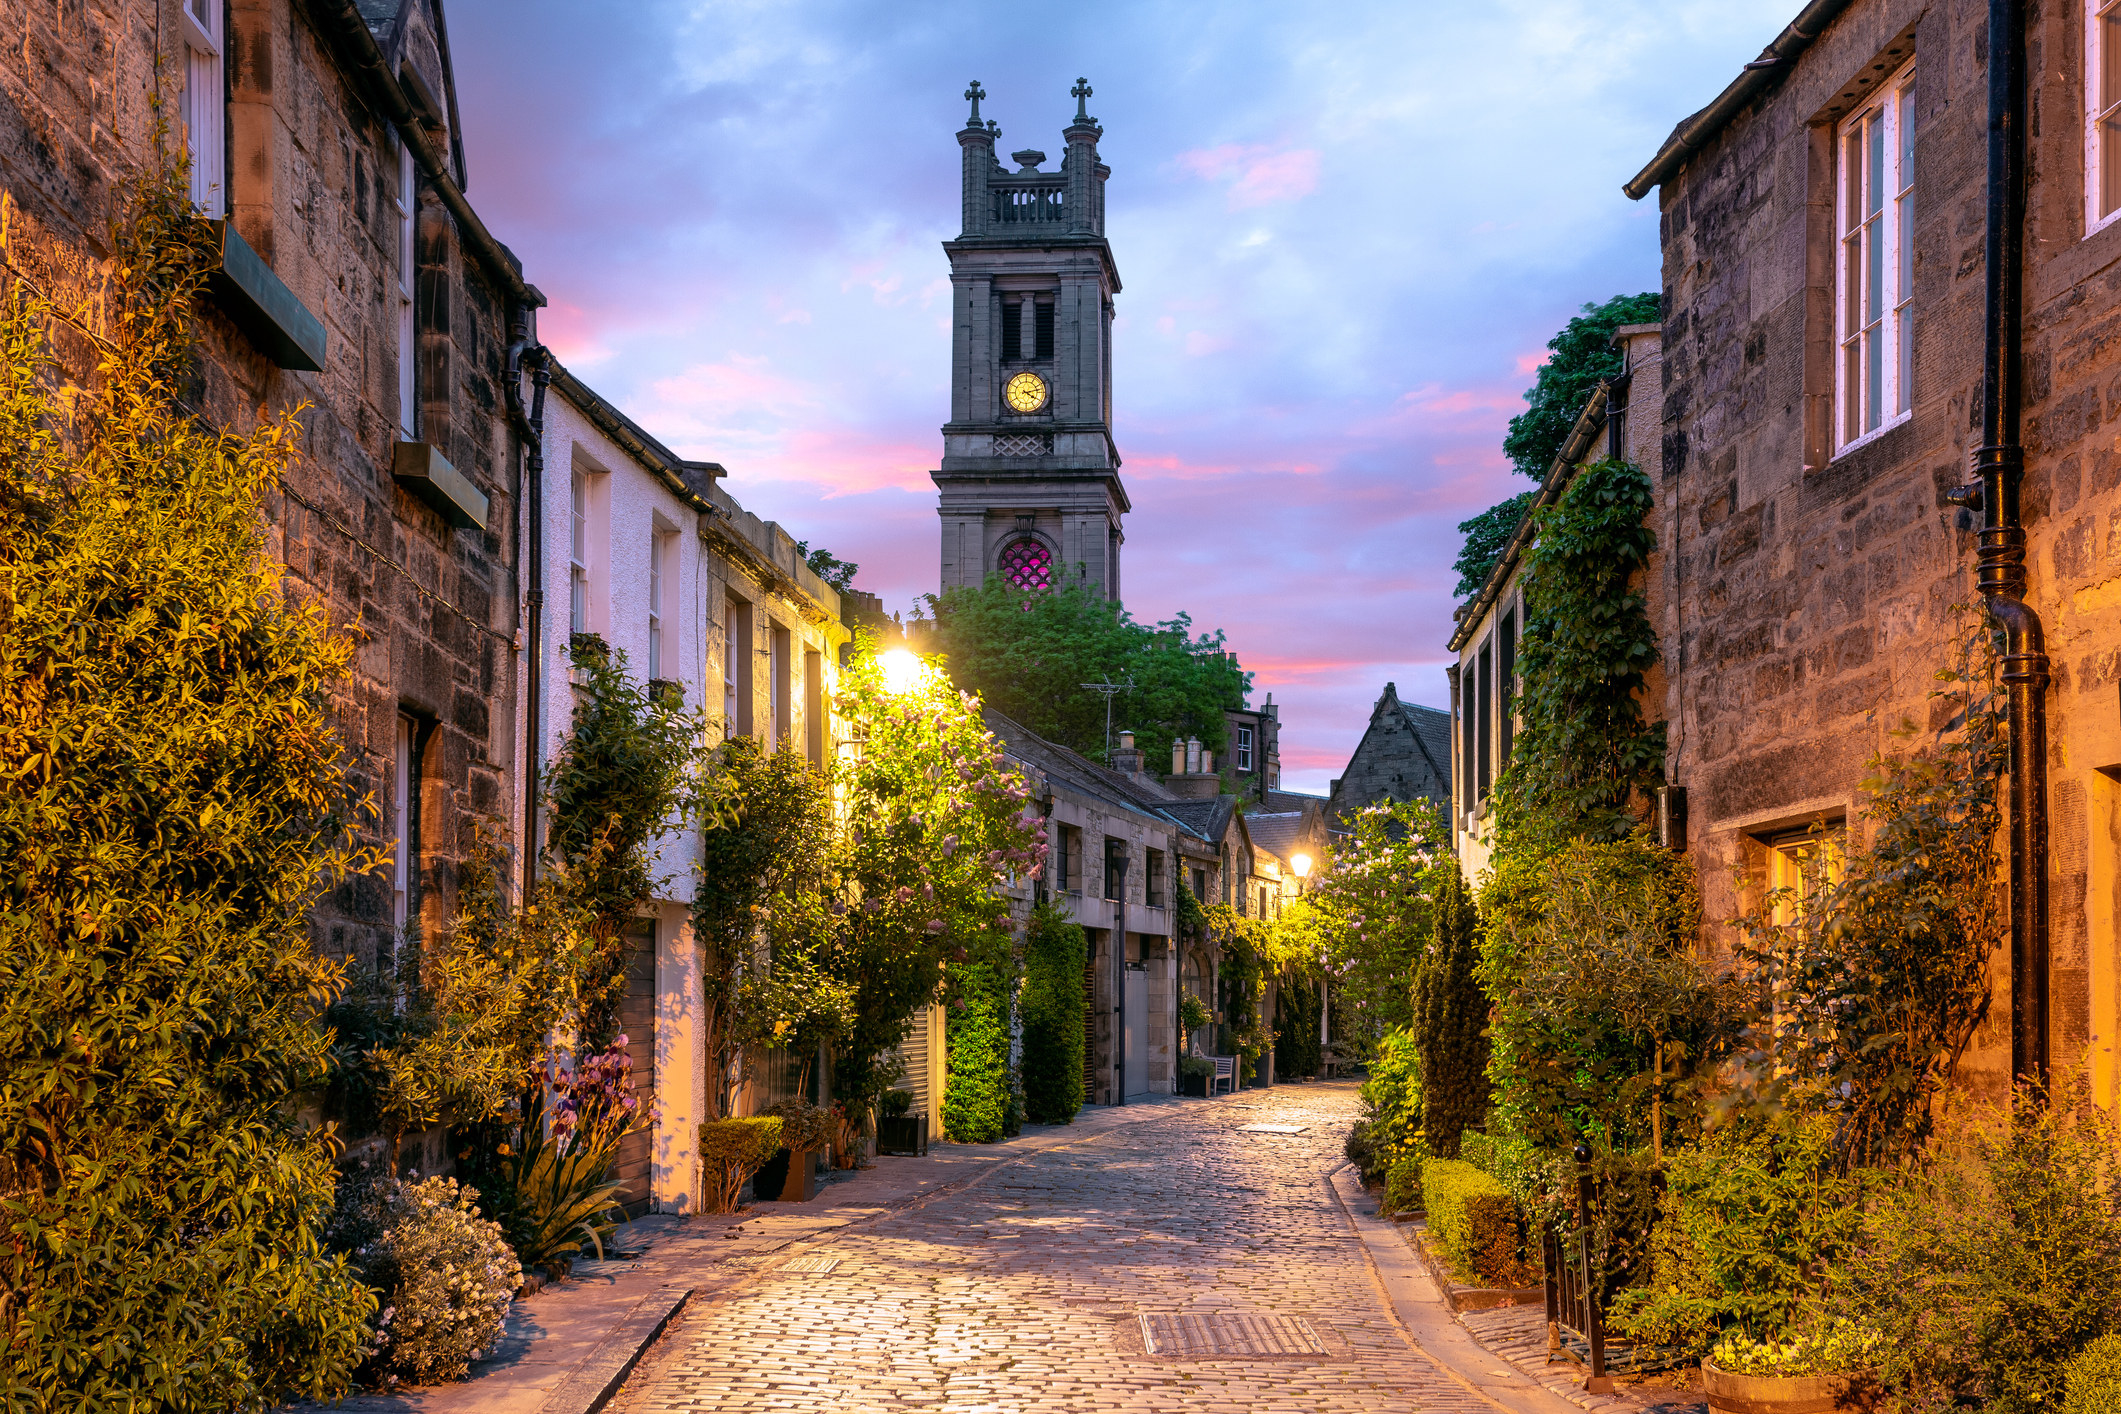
1025	1289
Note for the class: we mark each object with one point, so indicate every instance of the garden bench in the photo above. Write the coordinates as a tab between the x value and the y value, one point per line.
1330	1064
1225	1073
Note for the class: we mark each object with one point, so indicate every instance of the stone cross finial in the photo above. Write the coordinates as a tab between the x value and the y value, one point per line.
975	93
1081	94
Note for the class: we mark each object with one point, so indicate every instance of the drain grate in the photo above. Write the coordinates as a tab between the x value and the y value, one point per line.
1270	1129
1229	1333
813	1266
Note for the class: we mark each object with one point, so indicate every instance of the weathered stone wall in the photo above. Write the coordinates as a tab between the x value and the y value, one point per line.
1389	764
1812	596
310	174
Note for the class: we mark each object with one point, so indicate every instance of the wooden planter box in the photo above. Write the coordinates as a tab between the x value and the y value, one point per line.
906	1134
787	1177
1786	1394
1195	1085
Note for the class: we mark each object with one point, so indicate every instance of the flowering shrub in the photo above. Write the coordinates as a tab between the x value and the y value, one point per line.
446	1277
1835	1348
595	1101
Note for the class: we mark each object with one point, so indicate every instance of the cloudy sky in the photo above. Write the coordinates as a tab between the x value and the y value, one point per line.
1345	231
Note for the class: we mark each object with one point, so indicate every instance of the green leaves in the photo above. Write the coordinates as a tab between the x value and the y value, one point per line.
1580	356
1051	1008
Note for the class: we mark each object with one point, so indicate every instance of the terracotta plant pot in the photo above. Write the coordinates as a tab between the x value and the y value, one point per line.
1786	1394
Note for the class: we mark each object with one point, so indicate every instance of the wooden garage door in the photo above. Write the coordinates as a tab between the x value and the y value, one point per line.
637	1020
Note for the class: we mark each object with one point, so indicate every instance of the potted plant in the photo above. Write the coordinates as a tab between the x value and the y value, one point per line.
897	1130
1820	1371
1195	1073
1193	1014
806	1132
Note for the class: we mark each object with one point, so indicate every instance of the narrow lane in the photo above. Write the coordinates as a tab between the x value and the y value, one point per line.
1028	1289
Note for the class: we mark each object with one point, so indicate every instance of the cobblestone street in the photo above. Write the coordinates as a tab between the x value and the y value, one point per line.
1027	1288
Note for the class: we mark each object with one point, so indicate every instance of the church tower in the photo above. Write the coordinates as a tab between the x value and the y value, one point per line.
1029	485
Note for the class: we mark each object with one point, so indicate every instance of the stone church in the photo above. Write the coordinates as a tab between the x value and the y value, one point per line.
1030	482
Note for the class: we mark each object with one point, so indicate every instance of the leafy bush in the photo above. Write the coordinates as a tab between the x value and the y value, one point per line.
1988	1269
895	1104
1193	1014
1834	1348
1749	1219
1197	1067
976	1088
731	1150
1296	1017
446	1276
1402	1187
1512	1162
1377	897
1451	1017
2092	1378
175	803
804	1127
1391	1097
1479	1224
1051	1009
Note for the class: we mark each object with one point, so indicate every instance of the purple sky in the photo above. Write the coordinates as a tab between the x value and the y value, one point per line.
1346	232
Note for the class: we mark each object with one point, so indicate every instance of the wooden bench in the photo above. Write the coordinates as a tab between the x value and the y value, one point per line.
1225	1074
1330	1065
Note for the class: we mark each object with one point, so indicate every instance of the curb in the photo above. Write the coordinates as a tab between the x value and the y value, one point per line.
592	1383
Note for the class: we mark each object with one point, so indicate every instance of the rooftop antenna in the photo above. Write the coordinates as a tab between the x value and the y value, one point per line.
1110	690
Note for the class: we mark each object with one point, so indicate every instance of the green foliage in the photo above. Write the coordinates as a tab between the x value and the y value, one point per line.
1750	1218
1028	655
2092	1378
976	1090
1873	990
1510	1161
1499	1241
561	1197
1605	1023
174	804
1391	1099
446	1277
1192	918
619	779
1447	1187
1580	357
1296	1017
1051	1009
1487	536
1376	902
1584	757
731	1150
1402	1187
1193	1014
1452	1014
827	566
1990	1266
805	1127
1195	1067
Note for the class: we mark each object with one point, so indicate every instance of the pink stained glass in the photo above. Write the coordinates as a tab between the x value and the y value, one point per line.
1027	564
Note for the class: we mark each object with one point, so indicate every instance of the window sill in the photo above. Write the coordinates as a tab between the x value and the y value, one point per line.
424	471
1872	436
262	306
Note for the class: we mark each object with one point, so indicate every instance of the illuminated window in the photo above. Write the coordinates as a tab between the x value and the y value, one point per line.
1799	864
1874	216
2102	114
1027	564
202	107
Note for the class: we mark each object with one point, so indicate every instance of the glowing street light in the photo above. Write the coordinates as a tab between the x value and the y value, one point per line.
1301	863
903	670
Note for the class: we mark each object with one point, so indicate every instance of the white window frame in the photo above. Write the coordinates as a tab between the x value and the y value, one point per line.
578	552
1244	748
203	109
405	197
2102	113
1874	195
658	554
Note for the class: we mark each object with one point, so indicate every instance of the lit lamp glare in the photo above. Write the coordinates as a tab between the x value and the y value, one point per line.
903	671
1301	863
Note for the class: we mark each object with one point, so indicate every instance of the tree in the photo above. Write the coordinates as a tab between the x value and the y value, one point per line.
1579	358
1375	903
827	566
1028	654
1452	1014
1487	536
175	801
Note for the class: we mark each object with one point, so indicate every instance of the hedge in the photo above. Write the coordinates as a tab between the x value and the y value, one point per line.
1478	1222
1051	1009
2093	1378
731	1150
1403	1187
976	1092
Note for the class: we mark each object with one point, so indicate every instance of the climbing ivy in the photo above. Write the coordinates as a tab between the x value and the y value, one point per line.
1584	757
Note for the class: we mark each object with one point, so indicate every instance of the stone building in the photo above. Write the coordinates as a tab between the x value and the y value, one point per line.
647	554
355	277
1831	382
1029	483
1404	754
1615	423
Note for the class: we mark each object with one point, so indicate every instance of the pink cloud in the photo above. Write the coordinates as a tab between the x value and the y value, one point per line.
1529	363
1258	175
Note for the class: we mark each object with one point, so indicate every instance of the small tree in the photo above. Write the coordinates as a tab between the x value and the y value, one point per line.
1375	906
1052	1009
175	801
1452	1014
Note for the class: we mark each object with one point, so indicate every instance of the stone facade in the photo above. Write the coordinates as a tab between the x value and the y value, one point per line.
1031	487
301	112
1404	754
1813	589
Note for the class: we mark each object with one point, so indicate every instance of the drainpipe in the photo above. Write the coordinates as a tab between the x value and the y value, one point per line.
520	352
1119	986
2000	462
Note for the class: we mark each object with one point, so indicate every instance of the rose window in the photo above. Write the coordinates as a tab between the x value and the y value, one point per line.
1028	564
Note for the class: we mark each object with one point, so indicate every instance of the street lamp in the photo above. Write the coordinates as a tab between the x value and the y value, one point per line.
1301	863
903	671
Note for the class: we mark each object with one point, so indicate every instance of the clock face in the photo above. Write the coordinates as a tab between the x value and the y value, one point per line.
1026	392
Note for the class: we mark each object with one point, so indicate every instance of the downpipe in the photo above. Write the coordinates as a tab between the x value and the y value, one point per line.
522	352
2000	565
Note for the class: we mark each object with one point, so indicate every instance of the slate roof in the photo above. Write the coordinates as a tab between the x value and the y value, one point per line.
1432	733
1070	768
1209	819
1281	834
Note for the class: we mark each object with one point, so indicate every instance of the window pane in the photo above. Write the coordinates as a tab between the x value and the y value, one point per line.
1852	179
2109	165
1875	293
1851	384
1904	121
1874	194
1873	376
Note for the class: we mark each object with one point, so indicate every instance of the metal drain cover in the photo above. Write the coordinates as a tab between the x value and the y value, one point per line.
815	1266
1229	1333
1270	1129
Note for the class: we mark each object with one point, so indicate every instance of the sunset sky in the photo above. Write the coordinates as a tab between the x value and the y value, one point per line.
1345	231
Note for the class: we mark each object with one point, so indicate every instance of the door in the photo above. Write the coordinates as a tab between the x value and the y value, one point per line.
1137	1029
636	1165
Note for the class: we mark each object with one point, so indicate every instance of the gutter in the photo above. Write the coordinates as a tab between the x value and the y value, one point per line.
667	465
343	24
1558	477
1755	79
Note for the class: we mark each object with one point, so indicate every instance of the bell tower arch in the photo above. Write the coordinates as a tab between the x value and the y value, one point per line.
1029	485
